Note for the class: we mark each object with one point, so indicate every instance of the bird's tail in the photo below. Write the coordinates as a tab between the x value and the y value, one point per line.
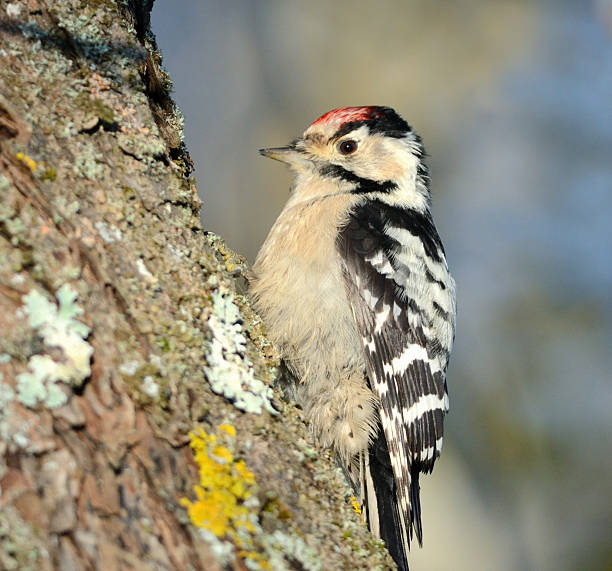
379	500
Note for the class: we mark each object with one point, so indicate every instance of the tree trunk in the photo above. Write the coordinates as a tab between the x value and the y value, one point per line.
138	429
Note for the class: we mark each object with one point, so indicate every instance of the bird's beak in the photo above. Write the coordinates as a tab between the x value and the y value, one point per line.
289	154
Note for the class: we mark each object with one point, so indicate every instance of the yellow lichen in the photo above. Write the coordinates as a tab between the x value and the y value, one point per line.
47	172
228	429
356	505
27	161
225	485
222	455
258	558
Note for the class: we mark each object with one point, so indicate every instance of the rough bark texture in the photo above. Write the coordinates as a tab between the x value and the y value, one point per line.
119	315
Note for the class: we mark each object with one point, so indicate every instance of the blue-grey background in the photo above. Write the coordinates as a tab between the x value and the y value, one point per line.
514	101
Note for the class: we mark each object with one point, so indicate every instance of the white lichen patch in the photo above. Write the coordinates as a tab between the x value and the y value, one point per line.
229	371
144	272
149	387
129	368
59	329
18	279
13	10
222	550
108	232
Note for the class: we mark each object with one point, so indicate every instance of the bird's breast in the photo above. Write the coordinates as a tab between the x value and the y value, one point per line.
298	287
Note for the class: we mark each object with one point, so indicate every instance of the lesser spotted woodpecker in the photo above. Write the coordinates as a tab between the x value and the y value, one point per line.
353	286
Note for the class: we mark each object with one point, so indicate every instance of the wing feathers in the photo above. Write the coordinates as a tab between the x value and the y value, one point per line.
391	272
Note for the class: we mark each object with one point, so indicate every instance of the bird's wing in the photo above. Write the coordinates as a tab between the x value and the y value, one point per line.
387	285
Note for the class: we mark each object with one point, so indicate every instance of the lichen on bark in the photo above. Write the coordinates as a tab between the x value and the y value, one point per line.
99	219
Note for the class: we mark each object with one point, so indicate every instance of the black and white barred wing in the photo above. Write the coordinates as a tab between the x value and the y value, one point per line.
402	299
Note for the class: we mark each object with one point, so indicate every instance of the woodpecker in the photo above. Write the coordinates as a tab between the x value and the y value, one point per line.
353	286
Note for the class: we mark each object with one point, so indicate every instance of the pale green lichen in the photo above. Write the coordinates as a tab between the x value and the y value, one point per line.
279	545
21	548
89	166
6	395
59	329
229	371
144	144
4	183
66	208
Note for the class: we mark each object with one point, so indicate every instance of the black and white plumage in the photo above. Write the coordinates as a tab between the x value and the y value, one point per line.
353	285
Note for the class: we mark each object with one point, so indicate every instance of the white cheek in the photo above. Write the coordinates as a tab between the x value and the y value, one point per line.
408	165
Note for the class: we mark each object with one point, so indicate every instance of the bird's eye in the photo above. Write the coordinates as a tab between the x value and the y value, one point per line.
347	147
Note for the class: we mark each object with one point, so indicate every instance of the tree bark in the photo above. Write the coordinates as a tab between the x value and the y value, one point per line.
124	335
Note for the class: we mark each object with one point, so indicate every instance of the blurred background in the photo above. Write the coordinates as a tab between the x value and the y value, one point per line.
514	102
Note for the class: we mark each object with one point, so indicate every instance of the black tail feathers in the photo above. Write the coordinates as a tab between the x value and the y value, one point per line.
385	487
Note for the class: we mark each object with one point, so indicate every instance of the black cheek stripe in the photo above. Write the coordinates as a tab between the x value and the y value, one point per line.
364	185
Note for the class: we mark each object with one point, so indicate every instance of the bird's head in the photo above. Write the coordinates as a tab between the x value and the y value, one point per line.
366	150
